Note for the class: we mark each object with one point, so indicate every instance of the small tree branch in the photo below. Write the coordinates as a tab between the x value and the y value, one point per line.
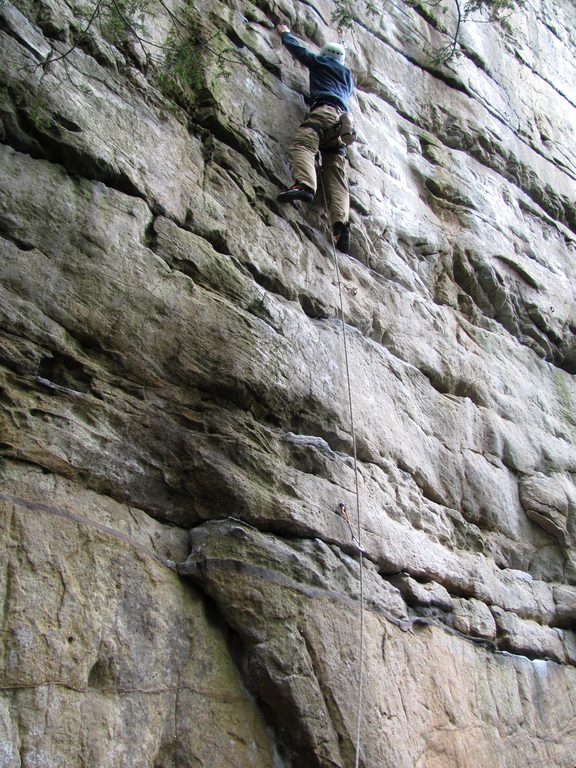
50	60
454	44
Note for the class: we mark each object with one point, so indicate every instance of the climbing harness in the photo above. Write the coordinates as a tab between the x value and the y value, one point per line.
316	127
342	506
342	131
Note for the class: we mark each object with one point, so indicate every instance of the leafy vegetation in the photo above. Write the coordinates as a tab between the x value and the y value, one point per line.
193	59
121	20
497	11
190	58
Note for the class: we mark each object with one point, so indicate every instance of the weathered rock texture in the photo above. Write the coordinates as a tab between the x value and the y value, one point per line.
178	586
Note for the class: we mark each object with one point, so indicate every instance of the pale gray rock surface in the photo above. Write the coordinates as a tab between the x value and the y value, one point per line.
179	585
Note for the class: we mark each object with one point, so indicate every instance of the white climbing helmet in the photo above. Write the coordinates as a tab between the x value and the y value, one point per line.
334	51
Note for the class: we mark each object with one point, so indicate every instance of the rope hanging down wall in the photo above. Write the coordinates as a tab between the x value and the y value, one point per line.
343	510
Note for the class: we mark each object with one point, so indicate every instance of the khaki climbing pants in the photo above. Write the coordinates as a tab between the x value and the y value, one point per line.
302	153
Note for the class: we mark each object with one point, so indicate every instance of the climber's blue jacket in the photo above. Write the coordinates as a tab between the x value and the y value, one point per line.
330	81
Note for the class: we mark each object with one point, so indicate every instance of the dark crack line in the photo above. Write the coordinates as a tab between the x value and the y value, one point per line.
76	164
197	572
330	702
35	506
453	83
549	83
238	646
490	645
12	33
123	691
314	9
5	234
554	34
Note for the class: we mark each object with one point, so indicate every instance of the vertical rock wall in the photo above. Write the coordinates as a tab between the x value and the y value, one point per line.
178	586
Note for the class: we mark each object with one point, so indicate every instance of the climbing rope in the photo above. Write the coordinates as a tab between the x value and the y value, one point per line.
342	506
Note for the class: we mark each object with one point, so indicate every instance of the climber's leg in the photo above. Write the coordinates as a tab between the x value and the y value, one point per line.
303	149
335	180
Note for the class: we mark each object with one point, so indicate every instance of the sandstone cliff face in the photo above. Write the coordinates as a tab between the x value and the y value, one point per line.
178	586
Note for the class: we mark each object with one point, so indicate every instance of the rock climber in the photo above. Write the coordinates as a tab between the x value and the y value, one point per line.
331	86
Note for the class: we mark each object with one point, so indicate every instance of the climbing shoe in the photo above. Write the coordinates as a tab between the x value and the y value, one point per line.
297	192
342	236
